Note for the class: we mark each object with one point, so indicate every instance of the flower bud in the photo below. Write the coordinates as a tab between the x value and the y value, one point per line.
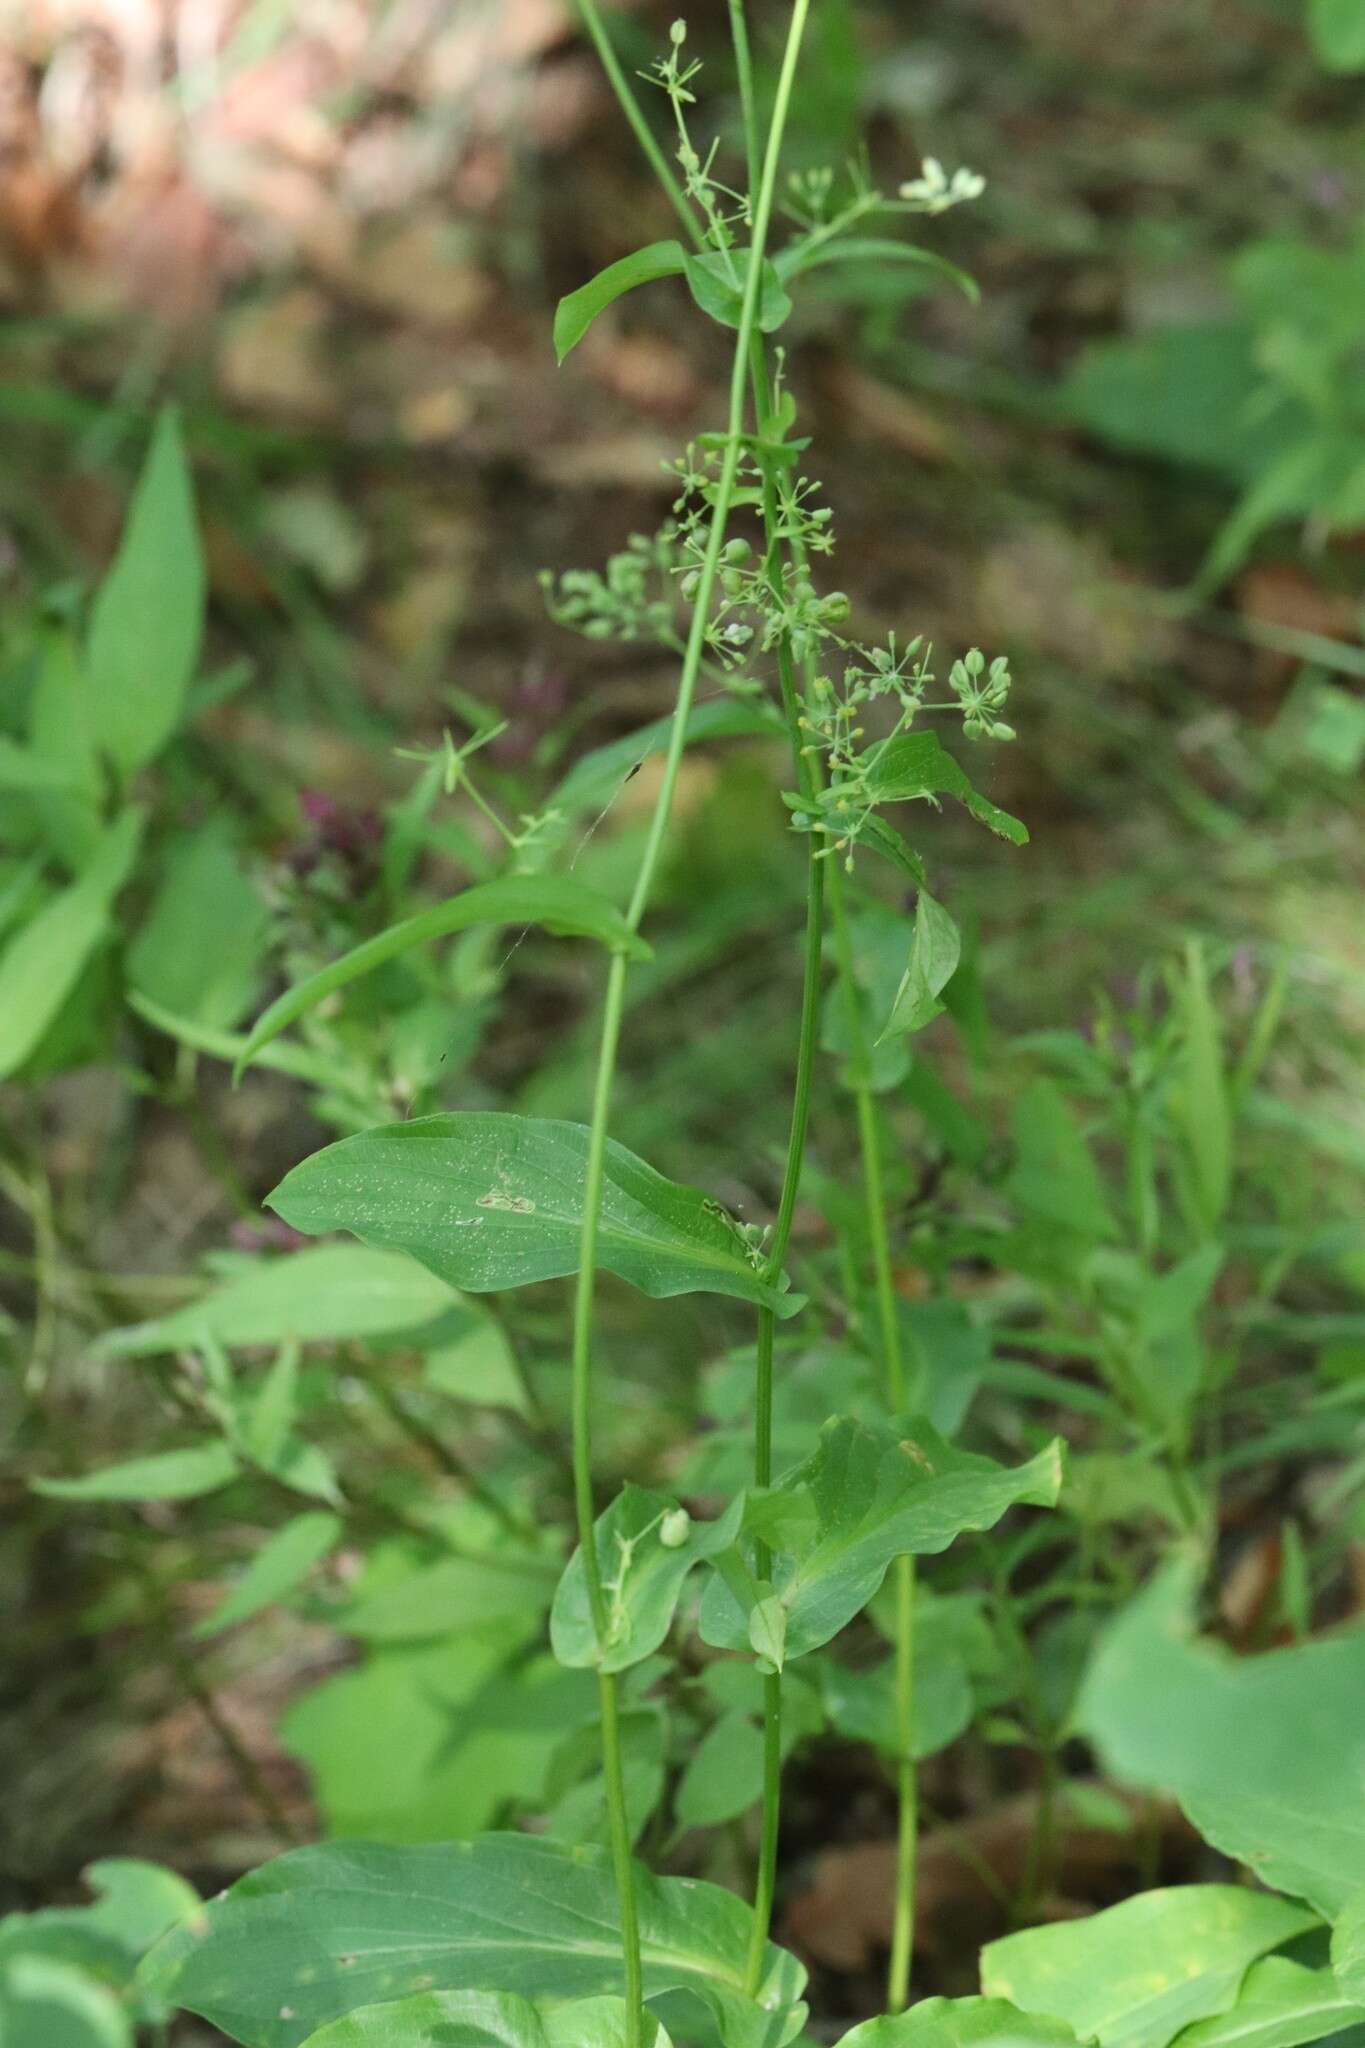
675	1528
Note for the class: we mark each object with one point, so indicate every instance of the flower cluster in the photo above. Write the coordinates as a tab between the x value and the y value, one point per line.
933	191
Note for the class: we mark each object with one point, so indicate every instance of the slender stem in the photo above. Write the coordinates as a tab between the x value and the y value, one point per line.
744	74
766	1884
630	107
613	1005
893	1369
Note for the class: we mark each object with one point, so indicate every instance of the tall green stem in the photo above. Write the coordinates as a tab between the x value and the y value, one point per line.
634	113
893	1380
585	1290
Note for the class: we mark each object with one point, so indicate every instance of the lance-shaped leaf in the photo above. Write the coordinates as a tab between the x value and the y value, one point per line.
487	1200
43	962
799	257
646	1546
934	953
1133	1976
148	615
556	901
326	1294
865	1496
278	1566
918	765
575	314
961	2023
1280	2005
326	1930
167	1475
1265	1754
484	2019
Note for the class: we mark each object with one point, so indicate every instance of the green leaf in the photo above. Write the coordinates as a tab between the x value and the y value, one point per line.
643	1574
61	734
484	2019
148	614
798	258
867	1495
1348	1947
325	1294
961	2023
556	901
934	953
1280	2005
277	1568
724	1775
709	280
1053	1179
916	766
487	1200
45	2004
478	1366
597	777
24	771
42	964
575	314
862	1704
167	1475
325	1930
268	1421
1265	1754
136	1904
200	945
1338	31
1135	1975
1202	1106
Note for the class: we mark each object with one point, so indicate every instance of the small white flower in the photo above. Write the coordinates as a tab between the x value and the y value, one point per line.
933	191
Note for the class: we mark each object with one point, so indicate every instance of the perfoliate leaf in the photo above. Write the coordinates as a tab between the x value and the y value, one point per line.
961	2023
148	614
487	1200
718	294
934	953
1265	1754
326	1294
867	1495
556	901
1135	1975
917	765
167	1475
278	1567
43	962
1280	2005
642	1577
484	2019
575	314
324	1931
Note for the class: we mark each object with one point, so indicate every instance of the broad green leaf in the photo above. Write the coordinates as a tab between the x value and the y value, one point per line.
575	314
576	1788
200	945
1338	31
326	1294
961	2023
1280	2005
709	279
23	771
917	765
1202	1105
45	2004
167	1475
278	1567
432	1741
556	901
43	962
799	257
136	1904
1265	1754
148	615
323	1931
483	2019
478	1366
724	1774
487	1200
868	1494
646	1547
1053	1179
934	953
1135	1975
1185	393
455	1593
862	1704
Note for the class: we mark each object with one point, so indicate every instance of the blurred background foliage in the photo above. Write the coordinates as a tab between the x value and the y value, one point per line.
335	233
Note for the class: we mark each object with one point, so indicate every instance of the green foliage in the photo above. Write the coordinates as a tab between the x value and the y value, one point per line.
646	1548
487	1200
